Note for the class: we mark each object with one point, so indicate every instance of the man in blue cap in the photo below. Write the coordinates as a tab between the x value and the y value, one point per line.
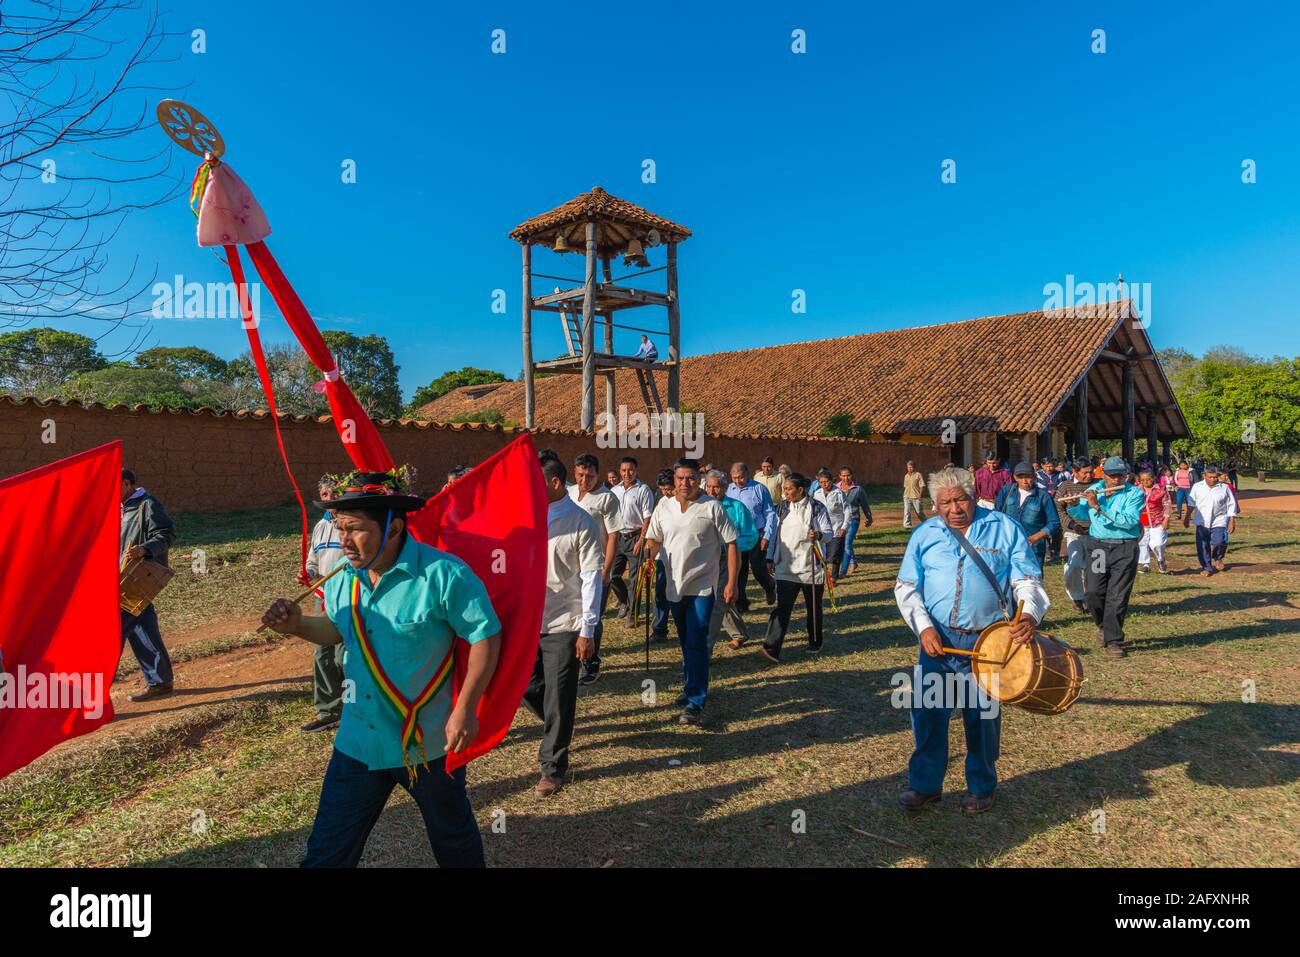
1032	508
1113	510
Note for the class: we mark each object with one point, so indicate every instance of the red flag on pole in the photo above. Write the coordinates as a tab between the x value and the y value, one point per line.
62	634
494	518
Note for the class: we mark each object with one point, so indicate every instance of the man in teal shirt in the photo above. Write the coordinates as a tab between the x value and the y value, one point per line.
1113	510
397	606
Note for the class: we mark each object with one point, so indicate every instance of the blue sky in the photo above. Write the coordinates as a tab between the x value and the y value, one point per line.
818	171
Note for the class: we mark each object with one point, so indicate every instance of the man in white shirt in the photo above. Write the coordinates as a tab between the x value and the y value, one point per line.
601	504
325	552
690	532
636	502
569	619
1214	511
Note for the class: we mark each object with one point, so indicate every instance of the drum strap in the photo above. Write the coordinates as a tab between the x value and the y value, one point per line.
984	567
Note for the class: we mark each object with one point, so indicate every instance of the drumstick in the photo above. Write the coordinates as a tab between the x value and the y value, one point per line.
311	588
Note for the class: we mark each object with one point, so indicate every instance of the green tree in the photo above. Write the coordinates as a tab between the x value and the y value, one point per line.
840	425
293	380
39	361
1177	365
448	381
132	385
188	362
368	367
1247	411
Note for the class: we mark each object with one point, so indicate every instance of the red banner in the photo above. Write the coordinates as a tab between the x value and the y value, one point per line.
494	518
61	638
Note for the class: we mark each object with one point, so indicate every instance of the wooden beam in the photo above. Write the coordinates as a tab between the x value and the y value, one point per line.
1081	418
529	387
588	418
1153	452
674	332
1130	417
602	361
611	297
609	330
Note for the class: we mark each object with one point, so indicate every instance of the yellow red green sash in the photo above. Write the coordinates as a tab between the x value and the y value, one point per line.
407	711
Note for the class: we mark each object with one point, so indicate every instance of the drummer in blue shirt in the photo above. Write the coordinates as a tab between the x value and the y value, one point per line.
1114	510
947	600
1032	507
398	608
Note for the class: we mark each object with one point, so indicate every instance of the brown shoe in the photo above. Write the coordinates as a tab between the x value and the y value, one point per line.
1218	564
915	800
735	644
548	785
149	692
976	805
1116	650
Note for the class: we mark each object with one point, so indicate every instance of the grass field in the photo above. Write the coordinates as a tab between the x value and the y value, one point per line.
1161	762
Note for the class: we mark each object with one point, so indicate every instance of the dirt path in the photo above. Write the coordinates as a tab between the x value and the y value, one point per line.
1267	500
243	673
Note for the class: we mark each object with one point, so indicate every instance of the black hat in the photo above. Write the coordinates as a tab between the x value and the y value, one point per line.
1024	468
382	490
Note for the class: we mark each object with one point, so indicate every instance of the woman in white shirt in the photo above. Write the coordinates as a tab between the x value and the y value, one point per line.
800	520
837	508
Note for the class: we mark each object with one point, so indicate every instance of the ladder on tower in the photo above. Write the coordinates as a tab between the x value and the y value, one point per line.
649	391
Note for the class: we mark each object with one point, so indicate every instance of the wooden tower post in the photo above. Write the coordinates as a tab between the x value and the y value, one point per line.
674	333
589	333
529	388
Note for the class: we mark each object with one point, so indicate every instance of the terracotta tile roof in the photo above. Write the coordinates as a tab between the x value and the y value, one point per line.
255	414
618	220
1009	373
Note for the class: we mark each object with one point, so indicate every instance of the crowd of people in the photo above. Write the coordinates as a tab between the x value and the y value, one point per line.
683	551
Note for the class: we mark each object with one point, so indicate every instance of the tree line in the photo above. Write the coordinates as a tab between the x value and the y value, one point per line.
54	364
1240	408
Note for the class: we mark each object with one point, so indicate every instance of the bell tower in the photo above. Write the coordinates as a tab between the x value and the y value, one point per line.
600	226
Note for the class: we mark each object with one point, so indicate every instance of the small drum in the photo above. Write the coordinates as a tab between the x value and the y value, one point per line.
139	583
1043	675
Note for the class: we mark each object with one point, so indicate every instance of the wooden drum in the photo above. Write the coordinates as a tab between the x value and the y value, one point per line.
139	583
1043	675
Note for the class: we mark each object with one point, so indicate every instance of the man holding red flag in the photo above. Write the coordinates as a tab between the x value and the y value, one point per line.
397	606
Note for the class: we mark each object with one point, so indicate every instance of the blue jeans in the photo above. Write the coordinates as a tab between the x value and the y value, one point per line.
848	557
929	762
1211	545
353	796
147	646
1180	499
691	614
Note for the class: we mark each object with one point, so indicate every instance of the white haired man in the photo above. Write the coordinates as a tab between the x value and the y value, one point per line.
963	570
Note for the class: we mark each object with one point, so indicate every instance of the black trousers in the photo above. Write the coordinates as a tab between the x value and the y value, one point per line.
833	551
552	695
600	625
778	622
1109	568
756	559
624	561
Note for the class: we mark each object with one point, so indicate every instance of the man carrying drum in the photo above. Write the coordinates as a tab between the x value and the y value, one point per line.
959	574
147	531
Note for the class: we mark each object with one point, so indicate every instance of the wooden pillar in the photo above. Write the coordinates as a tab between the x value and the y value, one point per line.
674	333
1081	419
609	316
1153	451
589	334
1043	444
1168	455
529	389
1130	415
